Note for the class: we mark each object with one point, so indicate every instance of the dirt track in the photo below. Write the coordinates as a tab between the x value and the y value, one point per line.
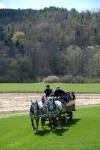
20	102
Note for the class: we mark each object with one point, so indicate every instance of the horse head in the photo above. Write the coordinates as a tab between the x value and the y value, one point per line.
51	104
34	106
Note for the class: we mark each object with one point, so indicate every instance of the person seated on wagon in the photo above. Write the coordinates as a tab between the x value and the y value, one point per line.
68	96
47	91
72	96
59	92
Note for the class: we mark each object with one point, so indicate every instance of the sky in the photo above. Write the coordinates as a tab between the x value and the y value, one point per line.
80	5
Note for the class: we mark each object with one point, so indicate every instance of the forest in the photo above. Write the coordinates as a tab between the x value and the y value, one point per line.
50	44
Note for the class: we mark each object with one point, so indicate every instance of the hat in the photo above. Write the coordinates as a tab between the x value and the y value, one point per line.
47	86
57	87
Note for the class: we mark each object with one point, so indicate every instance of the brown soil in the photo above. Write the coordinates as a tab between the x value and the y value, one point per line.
11	103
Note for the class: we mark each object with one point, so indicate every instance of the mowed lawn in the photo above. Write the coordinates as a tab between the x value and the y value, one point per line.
39	87
82	134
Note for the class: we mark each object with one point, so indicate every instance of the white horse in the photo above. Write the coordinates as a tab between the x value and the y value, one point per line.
36	110
34	114
54	111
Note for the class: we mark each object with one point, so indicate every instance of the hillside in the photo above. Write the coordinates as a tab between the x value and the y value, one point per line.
35	44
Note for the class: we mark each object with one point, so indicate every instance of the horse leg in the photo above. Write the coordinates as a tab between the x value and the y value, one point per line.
54	122
42	122
50	122
37	123
32	122
59	120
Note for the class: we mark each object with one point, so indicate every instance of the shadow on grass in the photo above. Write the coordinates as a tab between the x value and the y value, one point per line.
58	131
43	132
73	122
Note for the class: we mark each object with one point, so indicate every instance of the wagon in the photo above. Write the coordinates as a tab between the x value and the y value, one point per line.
68	108
53	109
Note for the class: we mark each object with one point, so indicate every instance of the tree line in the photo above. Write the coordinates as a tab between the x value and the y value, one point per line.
35	44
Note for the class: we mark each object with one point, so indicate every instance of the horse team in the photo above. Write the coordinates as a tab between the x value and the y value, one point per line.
56	108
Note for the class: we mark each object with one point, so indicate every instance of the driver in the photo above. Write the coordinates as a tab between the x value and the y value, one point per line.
48	91
58	92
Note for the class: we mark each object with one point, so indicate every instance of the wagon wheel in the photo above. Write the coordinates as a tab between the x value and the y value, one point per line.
70	115
63	120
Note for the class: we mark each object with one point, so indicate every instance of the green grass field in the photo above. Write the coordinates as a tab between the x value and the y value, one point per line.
82	134
39	87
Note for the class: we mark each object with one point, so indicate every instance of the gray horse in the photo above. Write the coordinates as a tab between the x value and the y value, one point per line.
36	110
54	111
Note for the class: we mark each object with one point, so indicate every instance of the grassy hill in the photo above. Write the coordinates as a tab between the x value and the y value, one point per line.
81	134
